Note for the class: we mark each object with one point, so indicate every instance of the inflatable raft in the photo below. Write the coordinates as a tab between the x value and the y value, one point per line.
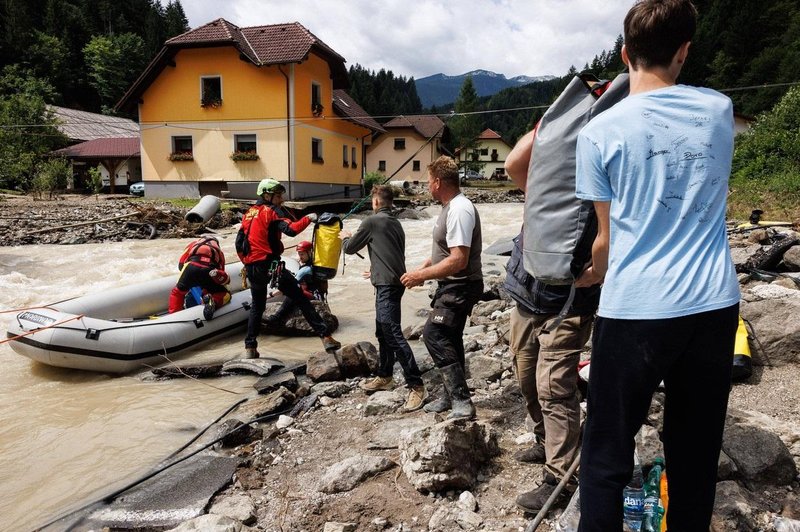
125	329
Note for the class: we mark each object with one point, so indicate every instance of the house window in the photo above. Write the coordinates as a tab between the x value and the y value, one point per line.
353	157
244	148
245	143
381	166
316	151
182	145
316	99
495	155
485	151
345	162
210	91
415	166
400	144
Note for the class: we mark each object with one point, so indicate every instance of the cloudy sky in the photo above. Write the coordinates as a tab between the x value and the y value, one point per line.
423	37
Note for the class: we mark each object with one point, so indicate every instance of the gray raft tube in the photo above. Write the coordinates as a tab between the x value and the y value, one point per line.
204	210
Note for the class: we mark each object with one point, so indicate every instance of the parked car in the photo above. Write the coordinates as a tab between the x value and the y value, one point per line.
137	189
470	174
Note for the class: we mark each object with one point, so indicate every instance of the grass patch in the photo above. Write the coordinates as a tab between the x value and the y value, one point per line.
777	195
184	203
492	185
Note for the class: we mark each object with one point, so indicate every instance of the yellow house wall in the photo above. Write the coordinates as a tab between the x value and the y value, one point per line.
331	129
253	102
382	149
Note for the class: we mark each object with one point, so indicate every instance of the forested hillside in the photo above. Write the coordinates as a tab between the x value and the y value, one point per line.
383	95
86	53
89	51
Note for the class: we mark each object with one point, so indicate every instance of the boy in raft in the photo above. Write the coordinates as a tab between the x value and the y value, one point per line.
313	289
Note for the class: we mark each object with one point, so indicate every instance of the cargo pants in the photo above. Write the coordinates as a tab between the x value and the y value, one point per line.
546	366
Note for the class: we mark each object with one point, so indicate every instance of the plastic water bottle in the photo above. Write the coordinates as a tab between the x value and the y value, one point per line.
633	498
571	517
651	520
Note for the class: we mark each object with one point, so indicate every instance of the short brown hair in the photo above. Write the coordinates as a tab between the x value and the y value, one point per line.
655	29
446	169
384	195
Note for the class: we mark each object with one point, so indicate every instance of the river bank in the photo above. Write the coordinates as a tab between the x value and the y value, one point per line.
79	424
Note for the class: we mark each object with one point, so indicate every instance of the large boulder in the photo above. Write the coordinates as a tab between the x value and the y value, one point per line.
774	314
447	455
352	360
296	324
760	456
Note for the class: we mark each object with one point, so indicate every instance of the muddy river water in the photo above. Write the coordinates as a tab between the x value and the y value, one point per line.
67	436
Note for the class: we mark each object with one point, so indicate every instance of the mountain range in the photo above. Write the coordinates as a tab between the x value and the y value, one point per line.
441	89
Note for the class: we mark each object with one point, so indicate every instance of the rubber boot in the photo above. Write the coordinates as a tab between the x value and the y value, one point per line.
440	404
456	384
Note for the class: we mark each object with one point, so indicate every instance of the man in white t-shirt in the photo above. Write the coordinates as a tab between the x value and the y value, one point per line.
456	263
656	166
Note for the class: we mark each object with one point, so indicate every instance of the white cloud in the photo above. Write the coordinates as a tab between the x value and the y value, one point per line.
423	37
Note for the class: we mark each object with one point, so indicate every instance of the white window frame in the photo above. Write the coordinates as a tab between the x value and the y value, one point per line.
212	76
236	143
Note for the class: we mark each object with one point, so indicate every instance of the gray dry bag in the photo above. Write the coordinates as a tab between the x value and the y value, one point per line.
560	228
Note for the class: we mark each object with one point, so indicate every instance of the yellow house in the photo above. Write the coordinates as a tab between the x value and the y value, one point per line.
403	150
491	151
221	107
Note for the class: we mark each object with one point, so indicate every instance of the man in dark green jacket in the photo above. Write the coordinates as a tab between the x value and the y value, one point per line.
386	242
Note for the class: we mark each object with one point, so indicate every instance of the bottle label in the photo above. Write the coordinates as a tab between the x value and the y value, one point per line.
633	503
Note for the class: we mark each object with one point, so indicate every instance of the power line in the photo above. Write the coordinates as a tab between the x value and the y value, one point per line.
312	119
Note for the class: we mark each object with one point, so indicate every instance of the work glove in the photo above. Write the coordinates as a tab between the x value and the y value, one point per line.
219	276
312	217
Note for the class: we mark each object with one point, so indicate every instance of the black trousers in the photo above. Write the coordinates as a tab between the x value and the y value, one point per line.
392	345
258	276
693	355
444	331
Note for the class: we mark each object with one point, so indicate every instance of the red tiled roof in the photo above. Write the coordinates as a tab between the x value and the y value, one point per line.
274	44
345	106
102	148
489	134
426	125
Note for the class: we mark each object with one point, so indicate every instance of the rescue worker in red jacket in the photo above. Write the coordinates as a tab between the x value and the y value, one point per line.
202	264
263	225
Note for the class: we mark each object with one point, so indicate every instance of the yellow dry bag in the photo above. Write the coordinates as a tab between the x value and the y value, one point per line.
327	246
742	360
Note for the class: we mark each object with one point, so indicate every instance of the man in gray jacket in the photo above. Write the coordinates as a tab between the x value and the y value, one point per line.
386	242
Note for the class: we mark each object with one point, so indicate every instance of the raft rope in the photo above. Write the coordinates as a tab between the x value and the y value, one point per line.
51	326
140	323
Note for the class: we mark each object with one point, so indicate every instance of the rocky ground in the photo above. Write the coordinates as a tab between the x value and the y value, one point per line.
336	459
328	457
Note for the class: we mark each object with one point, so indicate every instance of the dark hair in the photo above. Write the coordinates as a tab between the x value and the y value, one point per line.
446	169
384	195
655	29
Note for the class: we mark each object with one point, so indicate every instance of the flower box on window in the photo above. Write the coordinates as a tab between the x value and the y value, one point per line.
245	156
317	108
181	156
211	102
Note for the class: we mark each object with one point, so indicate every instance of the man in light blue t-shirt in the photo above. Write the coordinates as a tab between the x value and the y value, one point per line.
656	166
